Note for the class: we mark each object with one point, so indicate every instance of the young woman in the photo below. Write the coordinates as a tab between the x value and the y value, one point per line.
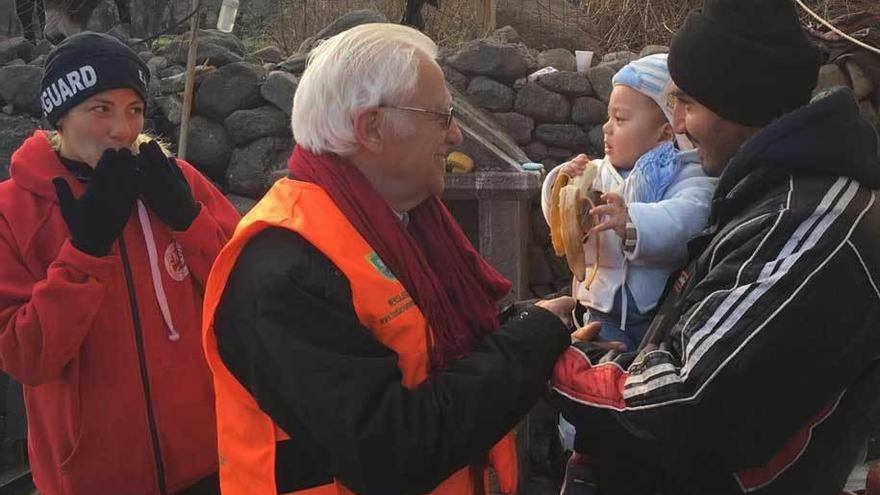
106	244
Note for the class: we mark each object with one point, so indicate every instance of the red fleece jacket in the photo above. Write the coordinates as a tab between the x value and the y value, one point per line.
82	332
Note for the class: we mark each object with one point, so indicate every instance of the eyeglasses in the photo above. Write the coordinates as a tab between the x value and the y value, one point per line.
446	115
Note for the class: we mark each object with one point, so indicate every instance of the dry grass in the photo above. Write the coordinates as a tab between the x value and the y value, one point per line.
632	24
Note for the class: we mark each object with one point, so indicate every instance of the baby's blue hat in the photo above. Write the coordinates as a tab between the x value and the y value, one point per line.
649	76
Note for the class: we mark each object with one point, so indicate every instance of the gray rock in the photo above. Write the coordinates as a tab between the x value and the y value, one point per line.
559	58
145	55
830	75
561	154
489	94
39	61
245	126
230	88
20	86
171	108
542	105
206	53
519	126
566	82
539	269
506	34
536	151
13	131
14	48
207	37
600	78
618	59
490	58
862	85
170	71
597	141
455	78
279	89
173	84
209	147
589	111
653	50
271	54
157	64
251	167
549	163
520	83
242	204
295	64
17	61
43	48
342	23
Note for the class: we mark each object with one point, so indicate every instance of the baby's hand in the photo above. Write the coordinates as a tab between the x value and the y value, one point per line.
615	212
575	166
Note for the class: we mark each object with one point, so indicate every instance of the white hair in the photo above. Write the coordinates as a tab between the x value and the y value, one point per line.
367	66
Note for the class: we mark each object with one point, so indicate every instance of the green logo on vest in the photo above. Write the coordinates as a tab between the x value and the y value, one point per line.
380	266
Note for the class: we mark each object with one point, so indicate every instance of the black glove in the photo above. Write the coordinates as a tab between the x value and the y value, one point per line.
165	189
97	218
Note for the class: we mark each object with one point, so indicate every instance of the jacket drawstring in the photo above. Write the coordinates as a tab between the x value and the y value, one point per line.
158	287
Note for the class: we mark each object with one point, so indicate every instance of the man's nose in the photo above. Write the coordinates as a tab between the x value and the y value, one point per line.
678	119
453	134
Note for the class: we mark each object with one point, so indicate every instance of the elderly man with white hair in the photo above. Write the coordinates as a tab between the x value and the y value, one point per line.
351	328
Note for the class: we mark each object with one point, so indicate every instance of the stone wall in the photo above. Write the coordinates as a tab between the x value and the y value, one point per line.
240	136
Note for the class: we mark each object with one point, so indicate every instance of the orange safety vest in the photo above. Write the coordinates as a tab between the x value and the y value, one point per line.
247	437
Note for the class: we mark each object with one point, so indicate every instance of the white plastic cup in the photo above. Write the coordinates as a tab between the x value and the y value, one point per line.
583	60
226	18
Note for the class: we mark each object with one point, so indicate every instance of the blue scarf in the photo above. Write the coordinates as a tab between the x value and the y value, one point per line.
652	174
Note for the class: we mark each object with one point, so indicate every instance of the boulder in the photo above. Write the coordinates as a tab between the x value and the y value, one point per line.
271	54
14	48
279	89
617	60
862	85
245	126
536	151
208	147
597	142
455	78
13	131
232	87
568	136
342	23
561	154
506	34
542	105
559	58
295	64
242	204
830	75
490	58
251	167
206	53
519	126
39	61
589	112
490	94
171	108
653	50
600	79
20	86
566	82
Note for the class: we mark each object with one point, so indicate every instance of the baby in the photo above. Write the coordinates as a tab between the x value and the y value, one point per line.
656	198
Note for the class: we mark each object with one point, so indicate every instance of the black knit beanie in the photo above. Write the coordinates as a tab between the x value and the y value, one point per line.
86	64
748	61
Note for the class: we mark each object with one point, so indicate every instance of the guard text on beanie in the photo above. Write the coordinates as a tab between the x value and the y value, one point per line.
86	64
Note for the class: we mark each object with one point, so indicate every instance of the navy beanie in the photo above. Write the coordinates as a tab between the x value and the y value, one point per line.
84	65
748	61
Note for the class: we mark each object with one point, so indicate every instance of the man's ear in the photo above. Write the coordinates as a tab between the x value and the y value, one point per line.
368	129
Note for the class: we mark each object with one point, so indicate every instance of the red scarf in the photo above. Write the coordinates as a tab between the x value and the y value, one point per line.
453	286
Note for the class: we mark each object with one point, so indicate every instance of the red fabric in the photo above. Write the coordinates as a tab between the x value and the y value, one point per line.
453	286
67	333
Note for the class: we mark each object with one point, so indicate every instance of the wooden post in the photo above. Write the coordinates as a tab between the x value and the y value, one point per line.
487	15
190	75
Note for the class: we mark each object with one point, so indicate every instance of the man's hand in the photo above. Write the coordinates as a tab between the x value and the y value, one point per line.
615	212
590	332
575	166
561	307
